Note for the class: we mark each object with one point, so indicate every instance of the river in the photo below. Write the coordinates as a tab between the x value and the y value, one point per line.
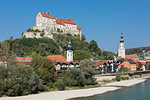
137	92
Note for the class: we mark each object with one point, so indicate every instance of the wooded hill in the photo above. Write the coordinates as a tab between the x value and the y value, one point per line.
44	46
138	50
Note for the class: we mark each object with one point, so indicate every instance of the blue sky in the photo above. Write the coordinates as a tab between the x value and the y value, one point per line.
100	20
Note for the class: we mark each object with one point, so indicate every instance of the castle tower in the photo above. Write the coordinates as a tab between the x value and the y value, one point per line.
69	52
121	51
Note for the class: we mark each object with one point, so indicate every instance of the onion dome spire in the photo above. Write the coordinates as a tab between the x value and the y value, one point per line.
69	47
121	40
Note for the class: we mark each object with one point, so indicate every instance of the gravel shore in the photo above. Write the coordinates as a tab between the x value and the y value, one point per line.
63	95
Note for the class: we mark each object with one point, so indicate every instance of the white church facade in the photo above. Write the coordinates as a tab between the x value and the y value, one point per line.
121	51
46	23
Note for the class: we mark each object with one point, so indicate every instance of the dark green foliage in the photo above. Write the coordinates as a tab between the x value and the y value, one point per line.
44	68
76	78
35	34
87	68
6	52
81	54
93	46
18	80
121	60
60	85
43	46
58	30
83	37
31	30
42	34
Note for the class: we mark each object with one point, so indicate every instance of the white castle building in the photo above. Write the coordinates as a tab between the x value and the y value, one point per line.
121	51
48	24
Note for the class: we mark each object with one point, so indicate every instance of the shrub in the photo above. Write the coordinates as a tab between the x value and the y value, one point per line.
60	85
118	76
35	34
125	77
42	34
58	30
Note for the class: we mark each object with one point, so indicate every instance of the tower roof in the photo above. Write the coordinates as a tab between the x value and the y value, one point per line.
121	40
69	47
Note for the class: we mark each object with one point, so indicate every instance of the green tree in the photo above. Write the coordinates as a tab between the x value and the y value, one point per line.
81	54
87	67
83	37
6	53
76	77
44	68
93	46
18	80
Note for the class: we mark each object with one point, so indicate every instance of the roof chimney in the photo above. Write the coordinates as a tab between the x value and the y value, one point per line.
47	13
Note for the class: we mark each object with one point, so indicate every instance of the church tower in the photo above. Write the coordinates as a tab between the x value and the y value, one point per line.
121	51
69	52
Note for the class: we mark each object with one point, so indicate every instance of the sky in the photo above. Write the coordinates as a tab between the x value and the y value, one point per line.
100	20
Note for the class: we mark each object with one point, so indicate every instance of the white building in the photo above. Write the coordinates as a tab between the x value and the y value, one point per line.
48	24
69	52
121	51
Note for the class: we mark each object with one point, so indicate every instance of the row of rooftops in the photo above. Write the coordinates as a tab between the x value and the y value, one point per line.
54	58
60	21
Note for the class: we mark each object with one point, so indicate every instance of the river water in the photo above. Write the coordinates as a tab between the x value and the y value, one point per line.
137	92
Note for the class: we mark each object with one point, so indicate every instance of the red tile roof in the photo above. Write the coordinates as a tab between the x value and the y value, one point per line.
47	15
100	62
78	28
128	57
57	58
62	21
23	59
131	56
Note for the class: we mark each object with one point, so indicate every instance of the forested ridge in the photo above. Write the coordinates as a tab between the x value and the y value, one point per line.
24	47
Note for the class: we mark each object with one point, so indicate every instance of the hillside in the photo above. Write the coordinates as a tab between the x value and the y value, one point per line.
45	46
138	50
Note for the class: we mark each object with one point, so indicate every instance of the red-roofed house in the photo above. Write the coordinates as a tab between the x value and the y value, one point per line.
61	62
129	63
23	60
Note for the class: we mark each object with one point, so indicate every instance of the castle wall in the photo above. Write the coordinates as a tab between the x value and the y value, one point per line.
49	26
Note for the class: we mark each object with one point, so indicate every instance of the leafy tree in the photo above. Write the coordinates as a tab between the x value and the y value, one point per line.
83	37
93	46
81	54
44	68
87	67
6	53
18	80
76	77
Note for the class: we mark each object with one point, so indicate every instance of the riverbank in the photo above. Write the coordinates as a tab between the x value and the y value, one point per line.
63	95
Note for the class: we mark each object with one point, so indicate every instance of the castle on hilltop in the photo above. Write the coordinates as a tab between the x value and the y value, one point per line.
47	24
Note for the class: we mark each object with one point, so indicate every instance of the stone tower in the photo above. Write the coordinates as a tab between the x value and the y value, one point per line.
121	51
69	52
